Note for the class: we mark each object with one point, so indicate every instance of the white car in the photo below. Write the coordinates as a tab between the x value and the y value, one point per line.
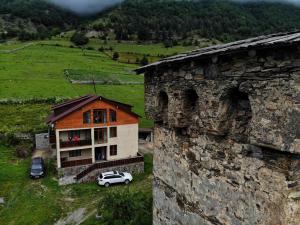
113	177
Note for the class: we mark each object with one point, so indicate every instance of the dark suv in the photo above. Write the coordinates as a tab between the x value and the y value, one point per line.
37	169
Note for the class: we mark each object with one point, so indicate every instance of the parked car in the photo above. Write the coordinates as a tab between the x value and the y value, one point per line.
37	169
113	177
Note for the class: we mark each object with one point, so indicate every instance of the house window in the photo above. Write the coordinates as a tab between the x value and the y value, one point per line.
87	117
100	116
112	132
113	150
100	135
113	115
74	135
75	153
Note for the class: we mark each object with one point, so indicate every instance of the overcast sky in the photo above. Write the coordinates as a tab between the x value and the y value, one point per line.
85	6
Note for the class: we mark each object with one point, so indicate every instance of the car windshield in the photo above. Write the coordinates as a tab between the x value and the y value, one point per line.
36	167
101	176
122	174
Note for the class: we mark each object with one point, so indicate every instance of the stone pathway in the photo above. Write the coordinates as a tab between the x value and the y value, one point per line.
16	49
73	218
66	180
42	153
77	217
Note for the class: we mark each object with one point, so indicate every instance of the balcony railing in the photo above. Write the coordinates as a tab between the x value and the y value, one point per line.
76	163
70	144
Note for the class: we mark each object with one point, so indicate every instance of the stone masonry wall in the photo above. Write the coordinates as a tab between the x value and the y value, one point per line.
227	139
91	177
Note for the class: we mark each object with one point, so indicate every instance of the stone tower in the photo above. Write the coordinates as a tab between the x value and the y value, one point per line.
227	133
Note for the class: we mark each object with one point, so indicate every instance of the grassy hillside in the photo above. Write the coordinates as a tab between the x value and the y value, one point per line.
224	20
163	21
43	202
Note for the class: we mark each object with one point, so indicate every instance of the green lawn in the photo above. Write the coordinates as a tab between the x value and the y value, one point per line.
152	49
42	202
38	72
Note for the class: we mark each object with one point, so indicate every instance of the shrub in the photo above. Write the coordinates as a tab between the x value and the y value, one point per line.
144	61
126	207
90	48
23	150
79	39
116	56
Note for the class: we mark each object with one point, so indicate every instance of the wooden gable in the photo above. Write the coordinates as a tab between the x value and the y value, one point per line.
75	119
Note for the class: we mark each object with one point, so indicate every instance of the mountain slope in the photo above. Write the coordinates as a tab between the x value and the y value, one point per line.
36	17
156	20
223	20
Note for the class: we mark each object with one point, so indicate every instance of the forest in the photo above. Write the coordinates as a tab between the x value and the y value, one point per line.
152	20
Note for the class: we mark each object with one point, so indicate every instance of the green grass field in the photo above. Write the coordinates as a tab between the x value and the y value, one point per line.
152	49
38	72
104	77
43	202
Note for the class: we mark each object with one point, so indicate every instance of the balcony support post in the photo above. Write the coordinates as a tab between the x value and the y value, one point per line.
93	144
58	149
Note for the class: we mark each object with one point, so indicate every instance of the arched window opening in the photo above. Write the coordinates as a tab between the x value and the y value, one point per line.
163	101
239	115
191	100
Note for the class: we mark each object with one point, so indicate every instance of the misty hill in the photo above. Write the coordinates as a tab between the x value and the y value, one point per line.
156	20
34	18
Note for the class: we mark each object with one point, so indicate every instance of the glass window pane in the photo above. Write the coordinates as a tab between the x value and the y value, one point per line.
87	117
113	115
100	116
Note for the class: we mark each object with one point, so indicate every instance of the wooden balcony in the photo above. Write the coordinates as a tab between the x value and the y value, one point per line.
76	163
71	144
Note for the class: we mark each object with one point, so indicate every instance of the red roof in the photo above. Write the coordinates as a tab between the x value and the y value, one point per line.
68	107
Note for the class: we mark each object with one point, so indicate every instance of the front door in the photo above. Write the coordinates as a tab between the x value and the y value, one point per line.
100	153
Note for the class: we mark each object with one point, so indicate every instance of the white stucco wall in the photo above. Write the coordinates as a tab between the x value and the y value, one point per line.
126	140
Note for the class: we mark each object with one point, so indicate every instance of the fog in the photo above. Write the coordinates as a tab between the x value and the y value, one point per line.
85	7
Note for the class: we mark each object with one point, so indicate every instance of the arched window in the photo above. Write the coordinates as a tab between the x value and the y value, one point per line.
163	102
190	100
237	116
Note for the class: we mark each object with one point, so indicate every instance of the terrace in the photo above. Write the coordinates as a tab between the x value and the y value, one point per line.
75	138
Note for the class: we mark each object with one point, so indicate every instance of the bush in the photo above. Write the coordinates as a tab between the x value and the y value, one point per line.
90	48
144	61
116	56
126	207
23	150
79	39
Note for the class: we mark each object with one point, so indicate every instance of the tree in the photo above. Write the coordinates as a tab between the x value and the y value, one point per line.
79	39
126	207
144	61
116	56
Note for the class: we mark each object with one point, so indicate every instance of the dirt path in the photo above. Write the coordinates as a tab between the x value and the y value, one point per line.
77	217
16	49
